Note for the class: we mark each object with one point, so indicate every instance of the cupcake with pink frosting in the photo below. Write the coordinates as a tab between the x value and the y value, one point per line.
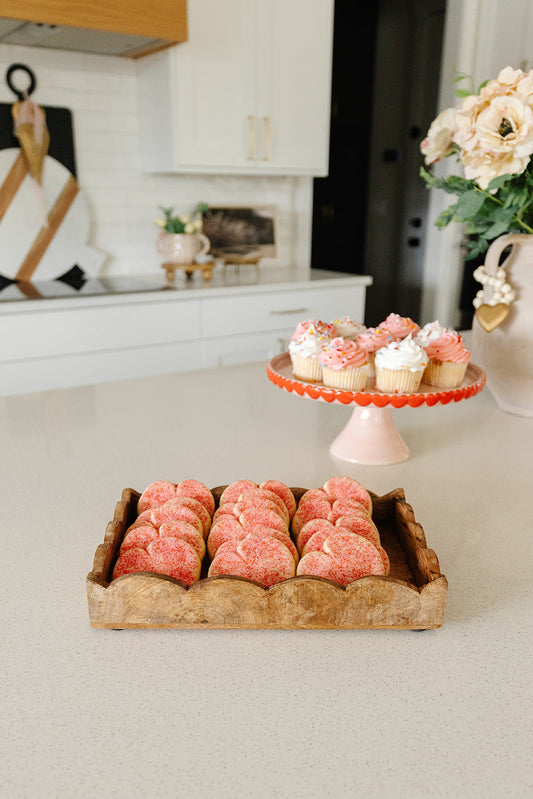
317	324
448	359
344	364
399	326
371	340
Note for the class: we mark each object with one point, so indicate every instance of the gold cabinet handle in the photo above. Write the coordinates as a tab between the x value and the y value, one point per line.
251	138
266	132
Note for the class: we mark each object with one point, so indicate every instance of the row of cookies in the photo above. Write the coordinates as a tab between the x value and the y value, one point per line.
250	535
335	534
170	531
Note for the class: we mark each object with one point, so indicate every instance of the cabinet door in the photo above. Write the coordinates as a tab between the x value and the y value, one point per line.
295	40
214	106
248	93
231	350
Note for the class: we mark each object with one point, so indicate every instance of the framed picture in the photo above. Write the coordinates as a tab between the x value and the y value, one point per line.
241	231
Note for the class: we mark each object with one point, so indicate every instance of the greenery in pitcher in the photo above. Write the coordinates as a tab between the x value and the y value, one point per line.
186	223
491	134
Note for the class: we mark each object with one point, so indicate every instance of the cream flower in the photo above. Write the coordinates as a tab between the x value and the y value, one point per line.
466	115
506	82
483	167
525	88
497	140
506	126
439	140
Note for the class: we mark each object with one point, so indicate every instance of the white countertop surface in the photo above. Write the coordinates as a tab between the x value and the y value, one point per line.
126	289
262	713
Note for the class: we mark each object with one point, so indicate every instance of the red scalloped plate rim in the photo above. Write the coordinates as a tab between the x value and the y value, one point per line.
318	391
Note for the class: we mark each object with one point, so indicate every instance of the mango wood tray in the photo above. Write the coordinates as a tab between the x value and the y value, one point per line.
412	597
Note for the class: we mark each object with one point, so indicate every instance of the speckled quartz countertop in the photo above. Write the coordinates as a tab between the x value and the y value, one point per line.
262	713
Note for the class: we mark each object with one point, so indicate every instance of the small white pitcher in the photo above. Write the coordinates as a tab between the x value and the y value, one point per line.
182	248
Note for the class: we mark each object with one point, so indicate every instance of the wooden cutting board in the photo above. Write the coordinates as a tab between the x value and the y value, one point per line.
28	250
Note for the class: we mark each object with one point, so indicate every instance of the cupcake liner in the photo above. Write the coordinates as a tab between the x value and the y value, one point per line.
400	381
371	364
352	379
445	374
306	368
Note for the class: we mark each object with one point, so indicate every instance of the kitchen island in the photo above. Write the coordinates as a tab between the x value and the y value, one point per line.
265	713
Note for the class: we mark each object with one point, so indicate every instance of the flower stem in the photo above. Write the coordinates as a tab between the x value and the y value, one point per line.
488	194
522	224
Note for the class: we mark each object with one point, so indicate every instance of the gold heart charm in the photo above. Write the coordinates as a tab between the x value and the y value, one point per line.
490	316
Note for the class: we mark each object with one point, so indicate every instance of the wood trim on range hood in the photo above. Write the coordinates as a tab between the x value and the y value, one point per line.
162	21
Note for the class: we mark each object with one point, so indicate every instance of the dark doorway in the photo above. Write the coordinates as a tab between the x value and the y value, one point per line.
369	214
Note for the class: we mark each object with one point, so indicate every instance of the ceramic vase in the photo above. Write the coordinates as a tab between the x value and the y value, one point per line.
182	248
506	352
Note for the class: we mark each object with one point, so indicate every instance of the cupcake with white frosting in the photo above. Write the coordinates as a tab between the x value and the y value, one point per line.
304	350
400	366
345	327
430	332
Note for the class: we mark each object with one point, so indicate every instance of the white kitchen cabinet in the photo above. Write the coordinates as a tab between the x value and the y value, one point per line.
71	341
248	93
260	325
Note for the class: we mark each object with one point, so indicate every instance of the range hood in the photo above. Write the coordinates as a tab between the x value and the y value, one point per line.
134	29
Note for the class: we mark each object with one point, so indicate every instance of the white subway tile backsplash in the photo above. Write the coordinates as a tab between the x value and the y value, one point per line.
124	203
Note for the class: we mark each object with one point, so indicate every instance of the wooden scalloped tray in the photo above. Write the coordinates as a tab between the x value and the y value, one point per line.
412	597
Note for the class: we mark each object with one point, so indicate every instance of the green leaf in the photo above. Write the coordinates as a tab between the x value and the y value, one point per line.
452	184
501	222
497	183
462	93
476	249
445	217
469	203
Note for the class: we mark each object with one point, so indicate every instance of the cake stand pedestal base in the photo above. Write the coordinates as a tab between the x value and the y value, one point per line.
370	438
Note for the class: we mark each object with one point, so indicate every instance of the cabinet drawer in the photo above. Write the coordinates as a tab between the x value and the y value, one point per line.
95	329
245	349
280	310
43	374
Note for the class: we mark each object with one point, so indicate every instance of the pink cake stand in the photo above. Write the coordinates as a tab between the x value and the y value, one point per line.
371	437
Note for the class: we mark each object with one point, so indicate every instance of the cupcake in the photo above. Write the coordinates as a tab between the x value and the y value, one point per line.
400	366
318	324
304	351
371	340
344	364
399	326
347	328
430	332
448	359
